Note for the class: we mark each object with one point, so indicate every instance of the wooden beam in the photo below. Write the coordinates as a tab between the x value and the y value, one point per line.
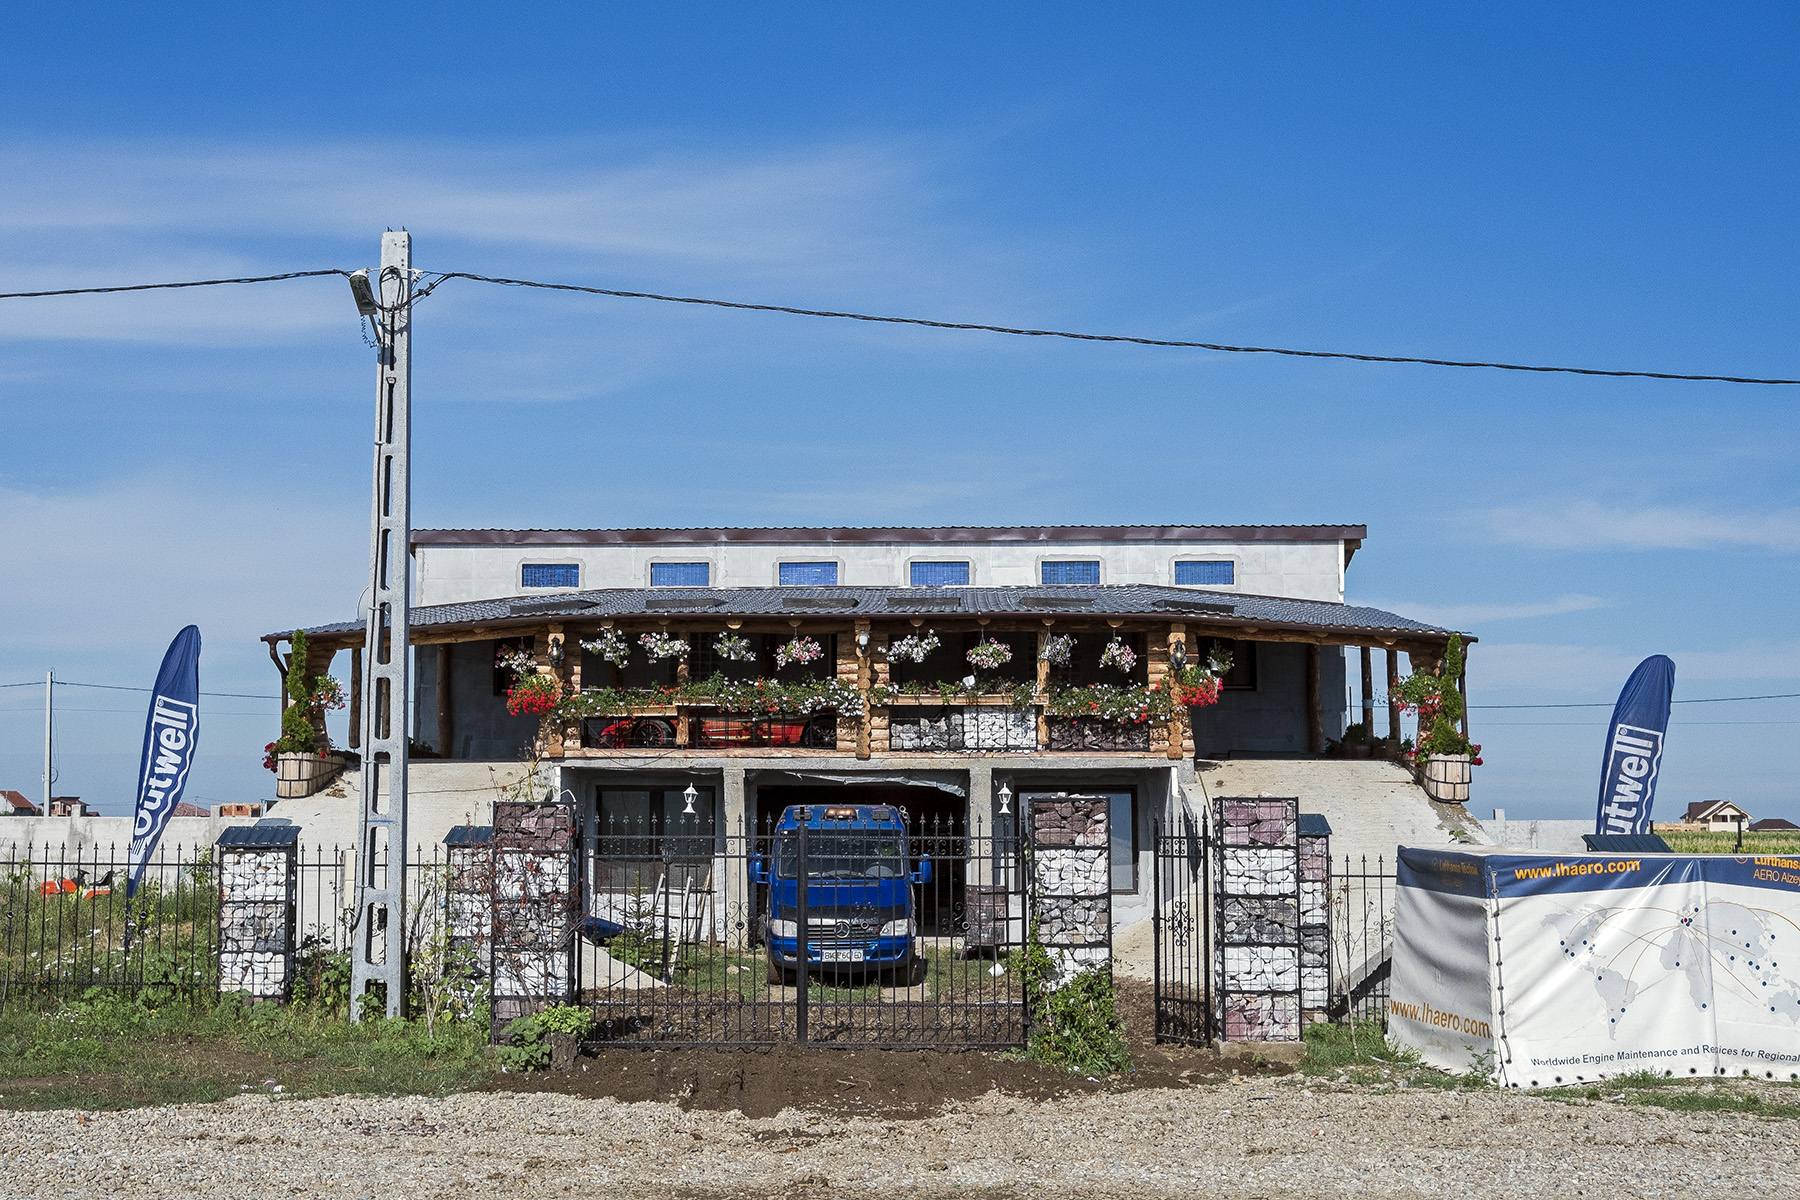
1315	713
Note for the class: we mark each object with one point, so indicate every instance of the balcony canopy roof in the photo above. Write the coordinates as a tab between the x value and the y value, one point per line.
1226	614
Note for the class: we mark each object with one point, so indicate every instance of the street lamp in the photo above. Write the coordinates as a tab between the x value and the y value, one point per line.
364	293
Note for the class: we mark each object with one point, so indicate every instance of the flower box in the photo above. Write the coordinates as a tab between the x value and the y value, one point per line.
298	775
1447	777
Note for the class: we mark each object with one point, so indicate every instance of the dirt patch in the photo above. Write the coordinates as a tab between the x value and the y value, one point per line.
894	1083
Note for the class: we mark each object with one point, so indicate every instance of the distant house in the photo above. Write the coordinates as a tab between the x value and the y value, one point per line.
14	804
184	809
70	806
1772	825
1719	816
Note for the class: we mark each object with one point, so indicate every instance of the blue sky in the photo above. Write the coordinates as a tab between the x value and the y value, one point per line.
1601	185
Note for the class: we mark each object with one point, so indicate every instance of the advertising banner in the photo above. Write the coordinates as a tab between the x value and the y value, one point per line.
171	735
1634	747
1604	965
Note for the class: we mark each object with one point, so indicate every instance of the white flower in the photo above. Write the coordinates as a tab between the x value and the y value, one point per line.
610	645
1118	654
915	647
1058	649
663	645
734	647
798	650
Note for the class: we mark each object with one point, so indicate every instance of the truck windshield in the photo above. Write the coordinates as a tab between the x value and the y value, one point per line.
863	854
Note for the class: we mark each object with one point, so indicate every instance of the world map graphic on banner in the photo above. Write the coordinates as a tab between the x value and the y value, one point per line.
1712	945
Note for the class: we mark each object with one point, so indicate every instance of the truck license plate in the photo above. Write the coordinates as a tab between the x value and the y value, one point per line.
841	956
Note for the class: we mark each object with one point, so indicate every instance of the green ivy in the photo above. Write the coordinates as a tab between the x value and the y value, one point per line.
1075	1026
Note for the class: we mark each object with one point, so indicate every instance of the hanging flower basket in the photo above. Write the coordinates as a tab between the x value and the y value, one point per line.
988	656
799	650
1059	649
609	645
914	647
734	647
1118	656
663	645
517	661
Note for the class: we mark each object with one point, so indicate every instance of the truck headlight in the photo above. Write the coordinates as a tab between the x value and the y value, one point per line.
783	929
900	928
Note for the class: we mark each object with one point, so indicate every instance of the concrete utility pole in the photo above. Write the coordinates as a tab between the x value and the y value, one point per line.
378	949
49	725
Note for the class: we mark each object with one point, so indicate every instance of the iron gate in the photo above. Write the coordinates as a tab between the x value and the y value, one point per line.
676	945
1181	884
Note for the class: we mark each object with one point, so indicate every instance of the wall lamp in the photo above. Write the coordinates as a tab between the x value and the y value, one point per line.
1178	653
556	651
1005	800
862	643
690	796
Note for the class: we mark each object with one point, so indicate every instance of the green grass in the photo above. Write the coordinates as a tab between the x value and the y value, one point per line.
1773	842
1776	1101
108	1052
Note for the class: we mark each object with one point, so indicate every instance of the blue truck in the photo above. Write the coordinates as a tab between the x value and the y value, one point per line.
861	910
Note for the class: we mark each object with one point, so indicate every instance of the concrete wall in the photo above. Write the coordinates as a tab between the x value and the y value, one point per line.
107	837
481	727
1272	719
1299	570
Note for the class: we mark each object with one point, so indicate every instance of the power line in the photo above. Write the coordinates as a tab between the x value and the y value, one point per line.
154	287
1106	337
1698	700
117	687
927	323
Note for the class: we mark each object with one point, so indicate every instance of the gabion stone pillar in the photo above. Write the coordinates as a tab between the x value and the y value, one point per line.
1315	918
469	904
1071	882
1258	894
258	888
534	907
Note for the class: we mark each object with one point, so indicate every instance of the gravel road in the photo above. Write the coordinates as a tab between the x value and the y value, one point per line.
1258	1138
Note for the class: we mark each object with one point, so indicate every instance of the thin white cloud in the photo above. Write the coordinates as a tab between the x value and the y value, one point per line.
814	224
1550	668
1588	525
1469	616
121	568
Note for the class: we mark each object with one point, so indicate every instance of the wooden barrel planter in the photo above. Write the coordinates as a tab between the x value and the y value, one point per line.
299	775
1447	777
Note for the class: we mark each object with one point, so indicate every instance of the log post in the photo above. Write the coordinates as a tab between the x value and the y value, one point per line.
445	726
356	691
1393	686
1368	693
1181	738
553	733
1315	714
1043	685
865	679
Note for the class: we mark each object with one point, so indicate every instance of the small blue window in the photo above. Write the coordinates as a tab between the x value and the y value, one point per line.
940	574
1072	572
680	574
550	575
1205	572
822	574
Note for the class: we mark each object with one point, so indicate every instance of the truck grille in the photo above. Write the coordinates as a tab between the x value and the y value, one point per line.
839	927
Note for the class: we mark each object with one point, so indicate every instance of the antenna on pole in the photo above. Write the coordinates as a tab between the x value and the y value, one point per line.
377	952
49	742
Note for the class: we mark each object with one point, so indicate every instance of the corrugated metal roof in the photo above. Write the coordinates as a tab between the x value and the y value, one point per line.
1095	600
972	534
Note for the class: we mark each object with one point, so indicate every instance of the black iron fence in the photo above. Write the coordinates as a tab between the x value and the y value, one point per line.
1181	882
1362	936
836	934
66	924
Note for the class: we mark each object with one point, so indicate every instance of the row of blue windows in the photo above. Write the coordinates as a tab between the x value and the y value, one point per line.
825	574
